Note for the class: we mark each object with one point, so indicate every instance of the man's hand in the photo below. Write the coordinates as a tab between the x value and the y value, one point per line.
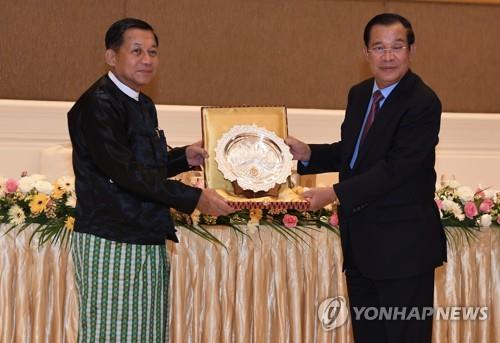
320	197
195	154
212	203
300	150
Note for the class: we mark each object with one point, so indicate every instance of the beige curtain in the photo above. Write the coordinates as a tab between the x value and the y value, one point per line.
263	288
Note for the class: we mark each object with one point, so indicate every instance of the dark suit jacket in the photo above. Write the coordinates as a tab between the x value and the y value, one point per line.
390	225
121	166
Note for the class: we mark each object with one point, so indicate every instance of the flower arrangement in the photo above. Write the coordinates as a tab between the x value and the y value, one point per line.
461	207
51	206
291	224
34	200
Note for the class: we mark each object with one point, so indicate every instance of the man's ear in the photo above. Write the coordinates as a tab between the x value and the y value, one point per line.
365	53
413	51
110	57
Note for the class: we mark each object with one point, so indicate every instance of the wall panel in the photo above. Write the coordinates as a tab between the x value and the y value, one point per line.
457	52
258	52
37	138
53	49
302	53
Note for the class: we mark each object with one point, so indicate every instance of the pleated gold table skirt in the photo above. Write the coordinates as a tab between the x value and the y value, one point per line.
262	289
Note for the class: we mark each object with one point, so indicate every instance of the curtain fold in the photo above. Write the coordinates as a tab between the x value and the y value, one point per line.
263	288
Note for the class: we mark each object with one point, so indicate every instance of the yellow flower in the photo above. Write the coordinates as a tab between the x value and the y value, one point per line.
69	223
255	215
58	191
38	203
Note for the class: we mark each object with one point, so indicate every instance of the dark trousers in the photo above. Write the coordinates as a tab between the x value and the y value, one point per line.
391	311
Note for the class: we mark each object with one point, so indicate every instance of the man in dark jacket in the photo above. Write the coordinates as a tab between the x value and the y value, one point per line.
390	227
121	165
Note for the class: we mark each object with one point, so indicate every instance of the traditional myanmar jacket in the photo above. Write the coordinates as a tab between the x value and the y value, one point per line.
121	166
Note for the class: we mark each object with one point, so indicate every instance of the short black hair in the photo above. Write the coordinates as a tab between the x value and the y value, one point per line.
387	19
114	35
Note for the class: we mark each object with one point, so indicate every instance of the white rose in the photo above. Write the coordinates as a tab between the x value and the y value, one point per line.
485	220
491	193
465	193
43	186
449	206
26	184
38	177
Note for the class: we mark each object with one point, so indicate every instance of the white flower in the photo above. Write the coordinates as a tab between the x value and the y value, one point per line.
27	183
71	201
43	186
491	193
16	215
67	183
195	217
485	220
449	205
465	193
3	186
452	207
451	183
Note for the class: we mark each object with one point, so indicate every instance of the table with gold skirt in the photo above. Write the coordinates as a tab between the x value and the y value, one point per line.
262	288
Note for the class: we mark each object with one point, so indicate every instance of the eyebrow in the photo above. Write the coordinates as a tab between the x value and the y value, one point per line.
399	40
137	44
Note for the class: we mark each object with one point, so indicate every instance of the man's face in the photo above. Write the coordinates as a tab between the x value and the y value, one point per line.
388	53
136	61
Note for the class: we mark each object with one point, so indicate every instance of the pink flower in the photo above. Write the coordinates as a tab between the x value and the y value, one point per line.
470	209
290	220
11	185
486	206
334	219
439	203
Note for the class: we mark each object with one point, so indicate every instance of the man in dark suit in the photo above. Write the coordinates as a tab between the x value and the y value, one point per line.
391	233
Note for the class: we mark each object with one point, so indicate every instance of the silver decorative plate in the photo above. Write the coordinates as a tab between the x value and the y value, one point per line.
254	157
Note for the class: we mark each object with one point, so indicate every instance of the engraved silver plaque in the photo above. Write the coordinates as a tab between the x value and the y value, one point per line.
257	159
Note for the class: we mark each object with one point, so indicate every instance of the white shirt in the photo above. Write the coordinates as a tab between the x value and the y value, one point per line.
123	87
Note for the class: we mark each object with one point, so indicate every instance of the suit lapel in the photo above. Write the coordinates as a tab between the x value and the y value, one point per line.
356	115
391	109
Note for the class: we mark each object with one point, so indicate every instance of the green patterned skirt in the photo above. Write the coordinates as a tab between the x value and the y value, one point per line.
122	290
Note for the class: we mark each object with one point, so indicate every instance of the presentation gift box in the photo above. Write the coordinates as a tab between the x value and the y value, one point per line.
249	163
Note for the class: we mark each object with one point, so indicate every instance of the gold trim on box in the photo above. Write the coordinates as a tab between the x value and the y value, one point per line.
256	158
